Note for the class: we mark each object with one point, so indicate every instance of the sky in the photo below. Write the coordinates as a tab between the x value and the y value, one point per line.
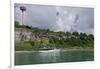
57	18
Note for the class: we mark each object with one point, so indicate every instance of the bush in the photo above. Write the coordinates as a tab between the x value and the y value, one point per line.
23	46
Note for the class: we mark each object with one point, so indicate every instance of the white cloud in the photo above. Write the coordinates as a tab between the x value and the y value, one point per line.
58	18
65	20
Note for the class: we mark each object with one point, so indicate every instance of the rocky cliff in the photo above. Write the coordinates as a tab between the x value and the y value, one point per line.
23	34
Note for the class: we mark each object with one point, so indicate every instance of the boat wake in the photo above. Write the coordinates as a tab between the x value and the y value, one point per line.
55	50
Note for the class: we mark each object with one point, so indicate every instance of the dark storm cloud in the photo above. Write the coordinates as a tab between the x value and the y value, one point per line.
58	18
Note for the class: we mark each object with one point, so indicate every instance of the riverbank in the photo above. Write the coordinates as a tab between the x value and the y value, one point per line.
78	49
55	50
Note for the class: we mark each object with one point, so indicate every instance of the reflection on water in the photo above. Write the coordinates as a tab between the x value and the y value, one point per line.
52	56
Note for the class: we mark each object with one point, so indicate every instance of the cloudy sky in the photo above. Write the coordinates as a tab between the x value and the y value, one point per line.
57	18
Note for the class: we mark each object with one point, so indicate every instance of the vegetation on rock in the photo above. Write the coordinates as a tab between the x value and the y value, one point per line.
45	37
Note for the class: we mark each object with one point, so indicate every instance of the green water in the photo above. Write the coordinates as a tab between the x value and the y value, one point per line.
53	57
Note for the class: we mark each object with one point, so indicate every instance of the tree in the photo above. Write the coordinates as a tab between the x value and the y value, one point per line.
75	33
17	24
68	34
32	43
28	27
83	35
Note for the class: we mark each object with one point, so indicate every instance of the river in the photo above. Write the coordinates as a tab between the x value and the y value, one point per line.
53	56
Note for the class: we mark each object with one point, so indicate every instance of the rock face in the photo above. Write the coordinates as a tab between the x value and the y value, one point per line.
22	34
